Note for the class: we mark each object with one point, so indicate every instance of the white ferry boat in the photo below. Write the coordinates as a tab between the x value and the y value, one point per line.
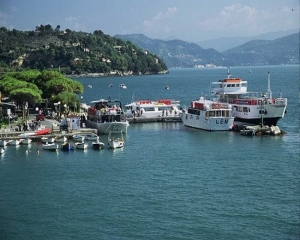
250	107
106	116
208	115
153	109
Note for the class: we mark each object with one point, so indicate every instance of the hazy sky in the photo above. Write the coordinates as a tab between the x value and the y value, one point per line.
189	20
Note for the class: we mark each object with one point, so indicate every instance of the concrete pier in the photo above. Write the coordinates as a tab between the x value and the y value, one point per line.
154	119
12	132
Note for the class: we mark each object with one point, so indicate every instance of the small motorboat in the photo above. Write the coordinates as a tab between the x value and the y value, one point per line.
25	141
15	142
78	138
117	142
247	132
122	85
92	137
26	134
97	145
3	143
2	150
48	139
50	146
43	131
67	146
61	139
81	145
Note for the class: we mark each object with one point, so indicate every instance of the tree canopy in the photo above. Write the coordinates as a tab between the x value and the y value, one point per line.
32	86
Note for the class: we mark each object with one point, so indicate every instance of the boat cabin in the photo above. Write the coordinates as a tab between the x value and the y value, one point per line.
105	111
148	108
229	86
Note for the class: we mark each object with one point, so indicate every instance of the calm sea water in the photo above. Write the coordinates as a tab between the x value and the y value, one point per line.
170	181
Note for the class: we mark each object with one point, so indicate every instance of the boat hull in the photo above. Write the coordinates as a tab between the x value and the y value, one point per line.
257	121
67	147
267	114
50	146
26	141
210	124
97	145
106	127
116	144
82	146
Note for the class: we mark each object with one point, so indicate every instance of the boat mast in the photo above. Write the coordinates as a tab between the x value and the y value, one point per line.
228	73
269	86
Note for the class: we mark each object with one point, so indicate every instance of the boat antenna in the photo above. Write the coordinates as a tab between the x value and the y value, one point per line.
228	72
269	86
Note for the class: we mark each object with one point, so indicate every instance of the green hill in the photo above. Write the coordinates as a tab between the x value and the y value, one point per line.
74	52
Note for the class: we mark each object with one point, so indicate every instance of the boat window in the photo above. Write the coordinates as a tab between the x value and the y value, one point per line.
149	109
163	108
244	84
218	113
240	109
245	109
212	113
193	111
226	113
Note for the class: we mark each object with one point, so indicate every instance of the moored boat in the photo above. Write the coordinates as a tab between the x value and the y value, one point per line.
81	145
250	107
107	115
48	139
2	150
91	137
50	146
67	146
115	142
43	131
153	109
122	85
25	141
3	143
209	115
14	142
78	138
97	145
26	134
61	139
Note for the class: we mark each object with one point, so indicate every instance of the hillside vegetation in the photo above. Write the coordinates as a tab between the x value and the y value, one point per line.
74	52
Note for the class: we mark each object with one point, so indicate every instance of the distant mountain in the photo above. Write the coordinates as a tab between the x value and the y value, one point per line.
177	53
284	50
225	43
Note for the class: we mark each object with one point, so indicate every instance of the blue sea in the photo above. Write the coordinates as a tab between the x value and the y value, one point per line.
169	181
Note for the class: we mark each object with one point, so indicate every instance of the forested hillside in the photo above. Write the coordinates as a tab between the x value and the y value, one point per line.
74	52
